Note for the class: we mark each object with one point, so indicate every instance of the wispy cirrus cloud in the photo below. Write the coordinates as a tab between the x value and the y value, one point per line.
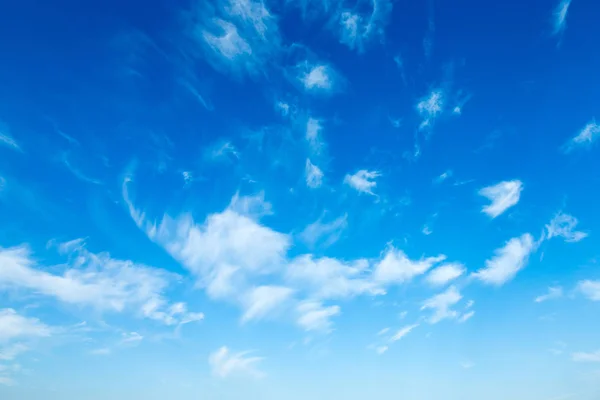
507	261
357	29
586	137
563	225
225	363
7	140
314	316
503	195
236	36
445	273
324	233
97	281
263	301
593	357
559	17
396	267
554	292
362	181
14	326
313	174
402	332
441	305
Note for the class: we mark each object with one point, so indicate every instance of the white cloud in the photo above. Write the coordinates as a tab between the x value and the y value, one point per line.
466	316
318	78
467	364
585	138
553	293
263	301
8	141
383	331
563	225
403	332
447	174
363	180
559	20
507	261
431	107
396	267
313	131
327	278
102	351
324	233
314	175
445	273
503	195
222	150
11	351
357	29
381	349
590	289
240	36
224	363
586	357
14	326
95	280
441	304
131	338
313	316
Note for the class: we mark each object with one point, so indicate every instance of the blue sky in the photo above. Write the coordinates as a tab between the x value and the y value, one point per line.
301	199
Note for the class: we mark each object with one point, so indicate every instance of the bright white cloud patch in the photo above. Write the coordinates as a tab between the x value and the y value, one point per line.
507	261
585	138
563	225
396	267
559	20
445	273
318	78
95	280
441	305
553	293
224	363
403	332
313	133
503	195
324	233
430	108
590	289
363	180
314	175
15	326
313	316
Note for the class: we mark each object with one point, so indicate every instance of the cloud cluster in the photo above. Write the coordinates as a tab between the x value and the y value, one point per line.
97	281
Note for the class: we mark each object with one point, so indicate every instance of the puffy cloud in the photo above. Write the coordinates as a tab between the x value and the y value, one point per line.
441	304
318	78
590	289
503	195
563	225
327	278
324	233
585	138
396	267
224	363
95	280
363	181
403	332
445	273
313	316
553	293
14	326
314	175
559	20
263	301
507	261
